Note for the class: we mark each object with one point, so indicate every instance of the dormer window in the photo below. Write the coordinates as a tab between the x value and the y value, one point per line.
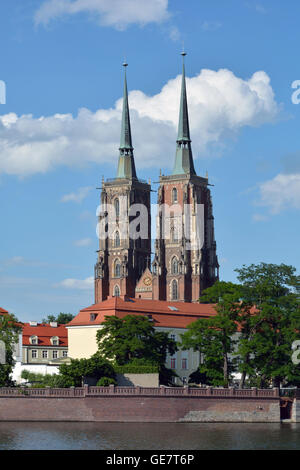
93	316
34	340
55	340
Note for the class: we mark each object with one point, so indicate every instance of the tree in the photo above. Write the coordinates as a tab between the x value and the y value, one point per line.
9	337
133	337
267	337
214	337
74	373
61	319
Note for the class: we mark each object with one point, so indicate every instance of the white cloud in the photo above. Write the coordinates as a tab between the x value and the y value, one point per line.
78	196
83	242
259	218
220	104
281	192
81	284
117	13
211	25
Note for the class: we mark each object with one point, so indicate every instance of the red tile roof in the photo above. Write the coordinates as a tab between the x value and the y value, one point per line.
164	314
44	333
3	312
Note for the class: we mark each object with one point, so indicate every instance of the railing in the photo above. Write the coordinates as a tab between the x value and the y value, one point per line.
80	392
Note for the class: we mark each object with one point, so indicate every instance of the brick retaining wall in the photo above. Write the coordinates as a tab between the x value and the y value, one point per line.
112	404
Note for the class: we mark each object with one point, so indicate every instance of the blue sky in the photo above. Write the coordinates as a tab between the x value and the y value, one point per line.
59	130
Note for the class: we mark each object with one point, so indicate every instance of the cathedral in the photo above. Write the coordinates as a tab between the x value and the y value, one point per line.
185	260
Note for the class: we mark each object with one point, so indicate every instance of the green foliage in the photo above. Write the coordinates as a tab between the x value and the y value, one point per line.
9	334
61	319
36	380
106	381
133	338
73	374
213	337
266	341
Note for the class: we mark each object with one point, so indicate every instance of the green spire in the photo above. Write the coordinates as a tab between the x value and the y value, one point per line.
126	166
184	158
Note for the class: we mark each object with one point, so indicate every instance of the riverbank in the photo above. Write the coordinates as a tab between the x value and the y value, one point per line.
140	404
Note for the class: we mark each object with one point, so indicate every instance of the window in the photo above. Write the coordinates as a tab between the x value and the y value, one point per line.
45	354
174	195
65	353
117	207
173	363
173	337
54	354
174	265
34	354
117	239
55	341
174	290
117	291
117	268
34	340
184	363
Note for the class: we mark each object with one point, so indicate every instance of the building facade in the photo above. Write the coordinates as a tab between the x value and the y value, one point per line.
185	259
122	257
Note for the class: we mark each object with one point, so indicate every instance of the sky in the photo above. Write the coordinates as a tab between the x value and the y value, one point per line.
61	84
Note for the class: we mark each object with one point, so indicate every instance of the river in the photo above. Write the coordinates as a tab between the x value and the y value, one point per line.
156	436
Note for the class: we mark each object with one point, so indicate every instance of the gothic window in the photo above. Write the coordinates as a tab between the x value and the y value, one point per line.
174	290
117	291
174	195
174	265
117	268
117	207
117	239
155	269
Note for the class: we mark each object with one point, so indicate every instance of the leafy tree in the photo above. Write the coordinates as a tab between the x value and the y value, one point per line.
134	340
213	337
106	381
133	337
73	374
267	337
61	319
9	336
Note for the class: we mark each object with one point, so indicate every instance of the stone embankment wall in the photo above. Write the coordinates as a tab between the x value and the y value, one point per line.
137	404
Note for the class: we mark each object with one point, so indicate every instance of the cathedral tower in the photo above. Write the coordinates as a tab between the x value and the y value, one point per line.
125	242
185	261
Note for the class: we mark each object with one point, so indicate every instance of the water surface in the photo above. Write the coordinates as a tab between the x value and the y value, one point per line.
156	436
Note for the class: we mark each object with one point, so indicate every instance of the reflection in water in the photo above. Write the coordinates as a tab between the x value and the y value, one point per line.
138	436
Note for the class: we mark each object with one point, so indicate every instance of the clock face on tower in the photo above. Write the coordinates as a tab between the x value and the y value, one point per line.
147	281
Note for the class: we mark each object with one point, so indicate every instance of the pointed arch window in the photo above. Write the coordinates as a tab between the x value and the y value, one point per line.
117	269
174	195
117	239
117	291
174	290
117	207
174	265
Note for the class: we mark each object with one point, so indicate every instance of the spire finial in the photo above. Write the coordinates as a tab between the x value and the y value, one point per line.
126	167
184	159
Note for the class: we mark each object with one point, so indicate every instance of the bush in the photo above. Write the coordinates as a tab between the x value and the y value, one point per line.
106	381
